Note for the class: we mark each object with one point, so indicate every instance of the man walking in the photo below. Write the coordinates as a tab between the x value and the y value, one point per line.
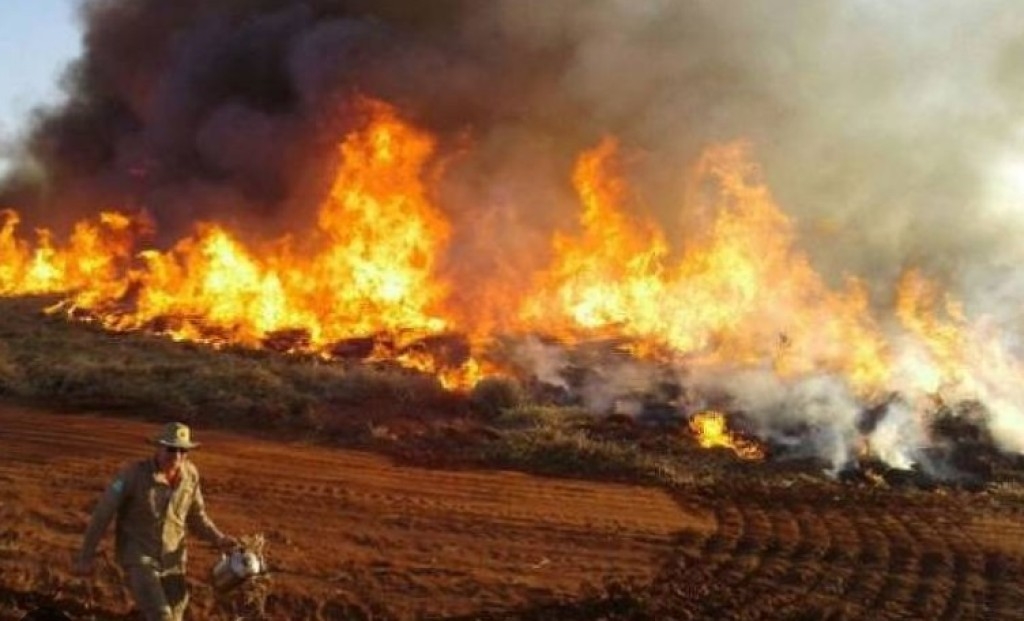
155	501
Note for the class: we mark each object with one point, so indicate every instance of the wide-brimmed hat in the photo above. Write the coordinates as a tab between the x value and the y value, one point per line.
176	435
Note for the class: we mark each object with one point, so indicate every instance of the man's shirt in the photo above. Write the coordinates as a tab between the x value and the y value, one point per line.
152	516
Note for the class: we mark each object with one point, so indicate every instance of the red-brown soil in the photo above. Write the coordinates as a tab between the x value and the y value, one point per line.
348	533
352	535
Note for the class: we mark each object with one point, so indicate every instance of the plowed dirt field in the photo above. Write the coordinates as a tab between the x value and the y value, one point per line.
346	531
352	535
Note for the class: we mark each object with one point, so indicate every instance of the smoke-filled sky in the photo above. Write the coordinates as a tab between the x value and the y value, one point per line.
890	132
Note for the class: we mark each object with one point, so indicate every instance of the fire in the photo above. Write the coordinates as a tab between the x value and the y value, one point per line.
710	430
368	270
610	275
738	294
939	326
91	258
955	358
731	290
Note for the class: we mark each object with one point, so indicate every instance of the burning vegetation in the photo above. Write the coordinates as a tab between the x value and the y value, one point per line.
711	431
398	255
367	283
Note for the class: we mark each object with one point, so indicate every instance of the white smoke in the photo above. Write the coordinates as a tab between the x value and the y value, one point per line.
814	417
899	437
546	361
879	125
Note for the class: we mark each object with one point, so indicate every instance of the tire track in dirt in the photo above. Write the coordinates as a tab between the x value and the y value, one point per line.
344	528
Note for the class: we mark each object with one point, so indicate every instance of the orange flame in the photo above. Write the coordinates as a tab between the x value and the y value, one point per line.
732	289
921	311
93	256
710	430
612	271
369	270
738	294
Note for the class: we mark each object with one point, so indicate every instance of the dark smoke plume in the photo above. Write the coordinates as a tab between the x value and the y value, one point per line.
197	109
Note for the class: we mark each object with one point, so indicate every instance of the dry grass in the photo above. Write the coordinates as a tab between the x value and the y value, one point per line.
49	360
572	442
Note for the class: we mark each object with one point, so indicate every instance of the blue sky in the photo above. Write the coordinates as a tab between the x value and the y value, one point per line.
39	38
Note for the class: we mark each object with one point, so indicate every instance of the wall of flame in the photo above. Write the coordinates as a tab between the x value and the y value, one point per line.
738	294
